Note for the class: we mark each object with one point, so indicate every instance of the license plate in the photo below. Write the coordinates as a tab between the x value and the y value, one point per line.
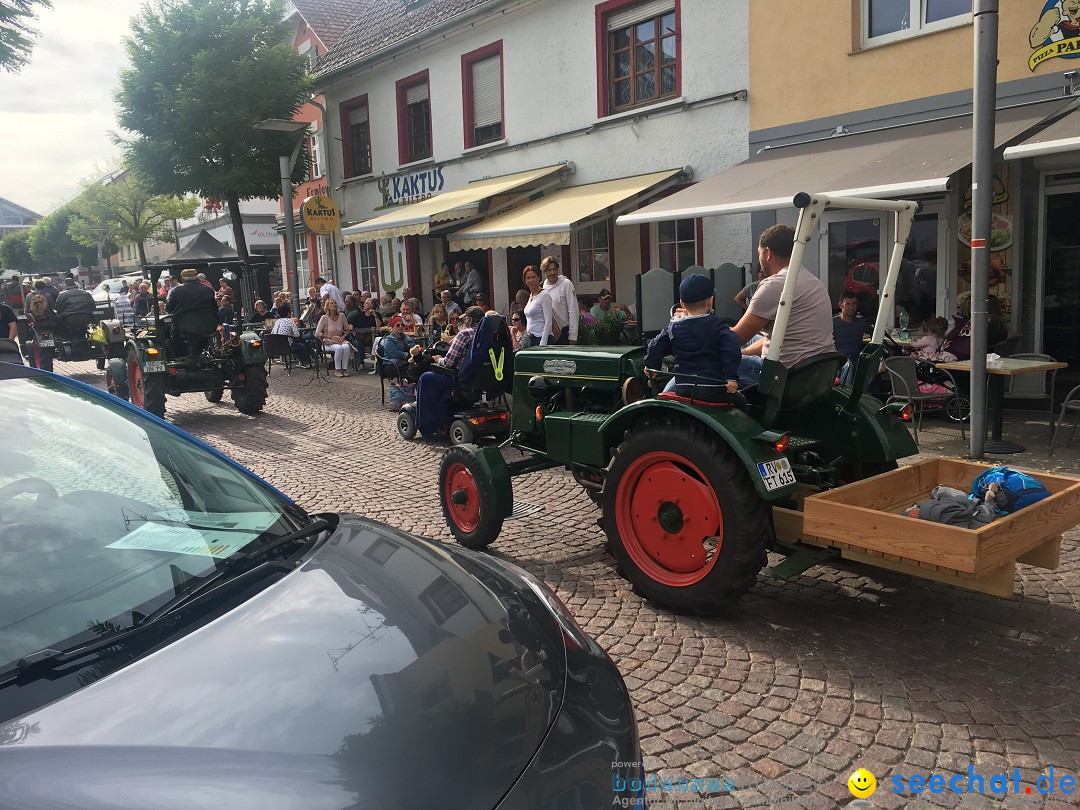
47	343
776	474
154	365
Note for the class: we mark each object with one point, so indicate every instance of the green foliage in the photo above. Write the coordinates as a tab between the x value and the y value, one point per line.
16	35
127	212
607	331
51	246
202	73
15	252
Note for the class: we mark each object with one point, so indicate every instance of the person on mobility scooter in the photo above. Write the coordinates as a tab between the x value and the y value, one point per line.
463	395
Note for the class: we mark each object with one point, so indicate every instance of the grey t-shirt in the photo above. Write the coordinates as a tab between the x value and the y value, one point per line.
809	329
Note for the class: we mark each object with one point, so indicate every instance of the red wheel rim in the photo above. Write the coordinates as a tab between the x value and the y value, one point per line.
135	383
461	484
669	519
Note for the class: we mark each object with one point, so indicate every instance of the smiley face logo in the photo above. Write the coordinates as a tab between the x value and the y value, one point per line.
862	783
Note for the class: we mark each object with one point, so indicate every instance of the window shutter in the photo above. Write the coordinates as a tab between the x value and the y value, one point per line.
416	93
639	13
486	91
358	115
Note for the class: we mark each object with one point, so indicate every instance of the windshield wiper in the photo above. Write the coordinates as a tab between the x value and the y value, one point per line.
227	577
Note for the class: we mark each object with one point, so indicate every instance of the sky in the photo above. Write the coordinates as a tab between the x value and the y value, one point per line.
57	113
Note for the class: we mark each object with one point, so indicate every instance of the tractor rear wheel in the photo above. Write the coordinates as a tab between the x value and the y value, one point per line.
251	396
468	499
683	520
147	391
116	378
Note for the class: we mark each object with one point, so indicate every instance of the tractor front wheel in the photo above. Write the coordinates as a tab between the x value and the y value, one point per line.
468	498
683	520
250	397
116	378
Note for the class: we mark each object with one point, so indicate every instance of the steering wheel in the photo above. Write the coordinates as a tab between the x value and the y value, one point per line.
38	486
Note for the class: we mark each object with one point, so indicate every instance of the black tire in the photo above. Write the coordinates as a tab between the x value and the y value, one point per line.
100	361
958	408
660	470
214	395
406	424
473	521
251	396
148	392
116	379
461	432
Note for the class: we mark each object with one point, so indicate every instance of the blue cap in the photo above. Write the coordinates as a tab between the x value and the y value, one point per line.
694	289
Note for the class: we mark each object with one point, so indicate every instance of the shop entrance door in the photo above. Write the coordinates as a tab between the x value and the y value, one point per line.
851	258
1061	282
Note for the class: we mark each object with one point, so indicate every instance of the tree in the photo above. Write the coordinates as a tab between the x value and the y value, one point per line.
15	252
16	35
51	247
202	74
123	209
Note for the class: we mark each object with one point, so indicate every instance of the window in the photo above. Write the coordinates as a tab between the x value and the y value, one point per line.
592	253
315	151
366	269
302	266
322	252
443	599
356	140
677	244
481	82
641	57
414	118
890	20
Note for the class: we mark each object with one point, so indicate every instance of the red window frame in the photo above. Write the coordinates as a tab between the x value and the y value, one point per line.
402	86
604	102
347	155
467	61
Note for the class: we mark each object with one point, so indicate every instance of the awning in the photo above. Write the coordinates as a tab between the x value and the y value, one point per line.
551	219
1061	136
462	203
897	162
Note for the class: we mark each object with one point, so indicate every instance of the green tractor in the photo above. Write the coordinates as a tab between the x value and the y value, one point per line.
686	488
170	355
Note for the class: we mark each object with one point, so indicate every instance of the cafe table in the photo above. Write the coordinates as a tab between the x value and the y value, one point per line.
995	380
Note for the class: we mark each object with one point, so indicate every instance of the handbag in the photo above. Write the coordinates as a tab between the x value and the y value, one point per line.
401	394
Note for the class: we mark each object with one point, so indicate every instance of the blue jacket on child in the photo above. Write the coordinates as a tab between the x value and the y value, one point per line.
703	345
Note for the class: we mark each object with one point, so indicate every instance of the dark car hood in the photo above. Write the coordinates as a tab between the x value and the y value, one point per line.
385	669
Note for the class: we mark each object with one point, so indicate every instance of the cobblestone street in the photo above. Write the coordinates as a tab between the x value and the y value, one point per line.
840	668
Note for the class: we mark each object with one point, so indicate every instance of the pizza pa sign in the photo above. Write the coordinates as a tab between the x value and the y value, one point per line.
1056	32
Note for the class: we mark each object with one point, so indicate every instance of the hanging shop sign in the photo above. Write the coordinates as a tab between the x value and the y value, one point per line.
404	189
1056	32
320	214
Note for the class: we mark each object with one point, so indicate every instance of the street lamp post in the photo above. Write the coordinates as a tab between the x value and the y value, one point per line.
286	164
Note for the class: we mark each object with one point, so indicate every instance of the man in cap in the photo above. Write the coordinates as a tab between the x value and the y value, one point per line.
706	350
191	296
603	306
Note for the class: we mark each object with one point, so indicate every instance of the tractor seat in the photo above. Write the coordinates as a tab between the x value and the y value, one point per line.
673	397
73	325
195	323
811	379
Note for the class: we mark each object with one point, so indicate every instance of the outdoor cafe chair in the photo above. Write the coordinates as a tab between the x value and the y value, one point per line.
1034	386
905	388
277	348
1070	405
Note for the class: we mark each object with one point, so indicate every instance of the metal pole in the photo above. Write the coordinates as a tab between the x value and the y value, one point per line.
290	234
982	172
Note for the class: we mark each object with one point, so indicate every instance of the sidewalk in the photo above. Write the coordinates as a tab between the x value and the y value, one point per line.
939	437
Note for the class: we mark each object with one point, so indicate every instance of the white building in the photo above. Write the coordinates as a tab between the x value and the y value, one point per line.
570	112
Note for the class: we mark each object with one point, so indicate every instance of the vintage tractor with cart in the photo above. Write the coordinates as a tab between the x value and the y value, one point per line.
693	495
71	337
193	353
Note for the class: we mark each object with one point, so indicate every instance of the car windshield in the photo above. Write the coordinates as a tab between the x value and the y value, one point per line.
106	515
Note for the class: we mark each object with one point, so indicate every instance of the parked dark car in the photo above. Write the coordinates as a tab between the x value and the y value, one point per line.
174	632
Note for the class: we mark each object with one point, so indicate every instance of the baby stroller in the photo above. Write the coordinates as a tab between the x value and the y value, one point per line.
954	400
473	397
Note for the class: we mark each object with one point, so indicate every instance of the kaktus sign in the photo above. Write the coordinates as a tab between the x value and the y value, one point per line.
320	214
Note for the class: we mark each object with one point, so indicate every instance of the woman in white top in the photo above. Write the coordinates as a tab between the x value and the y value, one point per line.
331	330
537	310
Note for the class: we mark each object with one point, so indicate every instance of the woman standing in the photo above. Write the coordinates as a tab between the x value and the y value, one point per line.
332	330
537	311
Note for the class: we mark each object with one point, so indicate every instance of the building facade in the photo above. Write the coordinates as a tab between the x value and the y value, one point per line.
499	131
15	218
883	104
